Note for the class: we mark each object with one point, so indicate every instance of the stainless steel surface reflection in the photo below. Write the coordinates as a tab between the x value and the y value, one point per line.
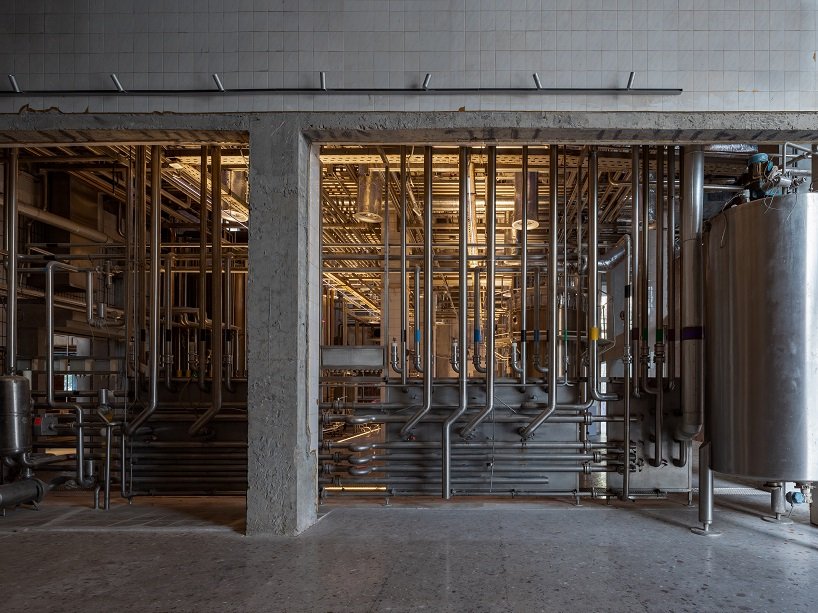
762	355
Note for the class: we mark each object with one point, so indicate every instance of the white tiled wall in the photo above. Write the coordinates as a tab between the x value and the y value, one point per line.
725	54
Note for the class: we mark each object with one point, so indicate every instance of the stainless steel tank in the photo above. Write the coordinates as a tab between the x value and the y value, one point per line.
761	267
15	416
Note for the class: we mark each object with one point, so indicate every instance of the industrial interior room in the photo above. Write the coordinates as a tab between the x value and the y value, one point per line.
341	306
436	355
436	362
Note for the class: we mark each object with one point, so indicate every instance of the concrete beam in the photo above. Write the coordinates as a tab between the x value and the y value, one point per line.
621	128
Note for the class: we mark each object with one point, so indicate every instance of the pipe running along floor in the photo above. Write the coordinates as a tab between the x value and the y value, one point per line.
169	554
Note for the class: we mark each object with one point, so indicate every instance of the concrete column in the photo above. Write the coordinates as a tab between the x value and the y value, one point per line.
284	329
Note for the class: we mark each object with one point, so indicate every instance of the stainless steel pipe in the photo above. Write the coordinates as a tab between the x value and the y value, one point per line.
404	307
428	323
593	283
12	248
153	328
78	409
491	240
217	332
636	330
202	349
462	320
553	321
692	332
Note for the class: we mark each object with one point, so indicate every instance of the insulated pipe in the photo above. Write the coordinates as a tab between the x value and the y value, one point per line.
404	307
64	224
12	247
462	320
593	284
217	335
428	324
203	269
20	492
49	324
153	333
692	333
636	329
491	239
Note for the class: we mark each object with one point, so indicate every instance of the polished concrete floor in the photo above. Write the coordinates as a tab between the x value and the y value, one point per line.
468	555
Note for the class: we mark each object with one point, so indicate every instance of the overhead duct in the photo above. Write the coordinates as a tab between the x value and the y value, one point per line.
533	221
369	205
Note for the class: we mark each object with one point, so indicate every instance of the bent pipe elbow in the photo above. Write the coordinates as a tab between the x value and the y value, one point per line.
360	471
362	459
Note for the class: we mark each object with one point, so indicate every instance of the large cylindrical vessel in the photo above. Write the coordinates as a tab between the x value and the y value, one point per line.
762	357
15	416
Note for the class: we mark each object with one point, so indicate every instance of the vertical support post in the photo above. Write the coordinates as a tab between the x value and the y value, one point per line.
283	329
524	274
636	210
404	308
203	268
12	223
705	493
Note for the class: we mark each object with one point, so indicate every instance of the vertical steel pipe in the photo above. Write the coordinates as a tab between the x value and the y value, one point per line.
217	335
705	489
491	238
141	247
168	340
229	333
644	301
627	358
49	331
203	268
659	346
593	282
418	335
385	282
529	430
670	340
12	247
524	274
153	328
636	213
462	321
692	332
404	307
428	323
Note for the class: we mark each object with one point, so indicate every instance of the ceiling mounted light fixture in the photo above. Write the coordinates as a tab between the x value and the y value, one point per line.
369	205
531	204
